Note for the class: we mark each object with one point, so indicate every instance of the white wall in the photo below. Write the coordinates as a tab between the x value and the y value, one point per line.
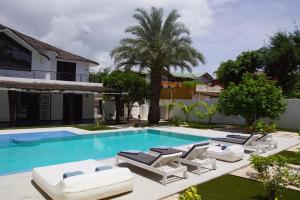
290	119
4	106
88	106
41	63
56	106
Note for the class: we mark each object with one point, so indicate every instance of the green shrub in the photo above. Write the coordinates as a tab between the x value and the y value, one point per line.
175	121
274	174
261	127
190	194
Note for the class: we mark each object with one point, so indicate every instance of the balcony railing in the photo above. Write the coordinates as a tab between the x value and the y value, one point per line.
42	74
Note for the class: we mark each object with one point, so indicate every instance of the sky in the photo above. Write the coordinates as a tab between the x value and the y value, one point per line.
220	29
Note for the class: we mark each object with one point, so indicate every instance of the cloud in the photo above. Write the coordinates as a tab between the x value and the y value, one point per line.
220	29
67	34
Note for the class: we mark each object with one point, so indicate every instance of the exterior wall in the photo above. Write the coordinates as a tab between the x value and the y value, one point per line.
4	106
289	119
56	106
42	67
177	93
88	106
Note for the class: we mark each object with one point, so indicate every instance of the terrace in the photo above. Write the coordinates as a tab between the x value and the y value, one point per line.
145	182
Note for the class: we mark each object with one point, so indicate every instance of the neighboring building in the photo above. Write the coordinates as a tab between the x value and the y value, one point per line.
174	87
40	83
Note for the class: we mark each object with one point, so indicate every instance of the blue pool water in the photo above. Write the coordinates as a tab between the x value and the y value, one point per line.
22	152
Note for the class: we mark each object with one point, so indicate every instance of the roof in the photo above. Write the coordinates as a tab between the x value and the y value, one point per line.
183	75
52	85
39	45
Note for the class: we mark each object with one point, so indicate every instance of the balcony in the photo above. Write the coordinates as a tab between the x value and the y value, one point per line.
41	74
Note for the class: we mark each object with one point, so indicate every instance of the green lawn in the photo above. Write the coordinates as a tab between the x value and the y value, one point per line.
230	187
204	126
291	156
89	127
92	127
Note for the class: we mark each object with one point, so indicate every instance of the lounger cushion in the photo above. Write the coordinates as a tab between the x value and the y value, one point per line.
230	140
166	151
243	137
140	157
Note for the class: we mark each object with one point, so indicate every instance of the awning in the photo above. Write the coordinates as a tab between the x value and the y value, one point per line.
53	86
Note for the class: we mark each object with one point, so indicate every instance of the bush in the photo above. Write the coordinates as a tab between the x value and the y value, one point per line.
190	194
273	174
175	121
261	127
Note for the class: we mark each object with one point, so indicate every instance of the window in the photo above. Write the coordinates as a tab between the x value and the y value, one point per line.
13	55
66	71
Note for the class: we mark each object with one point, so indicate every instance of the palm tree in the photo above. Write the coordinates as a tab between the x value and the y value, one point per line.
200	115
156	44
169	107
210	110
187	109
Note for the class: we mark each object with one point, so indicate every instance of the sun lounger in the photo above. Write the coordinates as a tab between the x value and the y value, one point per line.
264	140
195	156
164	165
267	140
249	144
64	182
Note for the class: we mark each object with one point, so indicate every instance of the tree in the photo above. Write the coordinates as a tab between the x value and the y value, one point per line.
210	110
169	107
187	109
274	174
129	82
158	45
233	70
282	59
256	96
200	114
99	76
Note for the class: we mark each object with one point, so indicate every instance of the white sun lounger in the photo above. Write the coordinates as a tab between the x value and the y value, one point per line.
195	156
90	185
265	140
163	165
249	144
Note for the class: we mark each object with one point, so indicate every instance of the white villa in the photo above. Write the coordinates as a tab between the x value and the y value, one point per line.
42	83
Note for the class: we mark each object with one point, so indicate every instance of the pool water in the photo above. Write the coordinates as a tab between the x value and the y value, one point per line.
22	152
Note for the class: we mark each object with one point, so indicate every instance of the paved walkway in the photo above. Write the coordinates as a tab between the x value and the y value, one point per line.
147	185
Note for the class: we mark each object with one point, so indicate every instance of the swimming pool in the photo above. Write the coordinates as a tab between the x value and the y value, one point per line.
22	152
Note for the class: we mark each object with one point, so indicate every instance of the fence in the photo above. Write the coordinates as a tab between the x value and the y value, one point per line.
290	119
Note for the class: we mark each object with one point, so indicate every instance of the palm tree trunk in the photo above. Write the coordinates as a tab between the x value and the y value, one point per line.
155	87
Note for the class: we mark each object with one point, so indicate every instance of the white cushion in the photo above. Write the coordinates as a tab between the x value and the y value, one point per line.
90	185
98	179
53	174
231	153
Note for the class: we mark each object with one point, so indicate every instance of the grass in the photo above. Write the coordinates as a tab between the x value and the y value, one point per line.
93	127
291	156
204	126
236	188
89	127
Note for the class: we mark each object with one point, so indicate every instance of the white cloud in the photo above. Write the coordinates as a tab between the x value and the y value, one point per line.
65	33
219	28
